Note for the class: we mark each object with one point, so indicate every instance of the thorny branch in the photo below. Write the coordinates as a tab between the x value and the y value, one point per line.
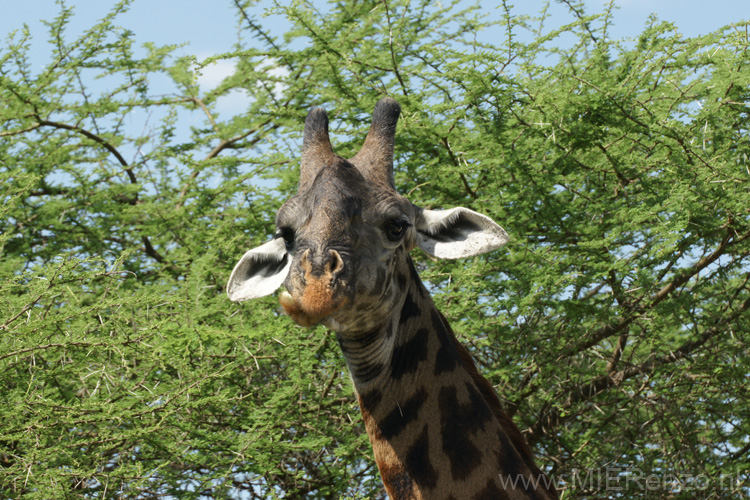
404	87
638	311
147	246
551	416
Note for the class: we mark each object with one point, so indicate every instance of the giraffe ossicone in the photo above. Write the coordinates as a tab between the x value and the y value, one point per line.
341	252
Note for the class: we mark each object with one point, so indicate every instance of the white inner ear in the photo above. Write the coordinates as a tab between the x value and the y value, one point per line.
260	272
458	232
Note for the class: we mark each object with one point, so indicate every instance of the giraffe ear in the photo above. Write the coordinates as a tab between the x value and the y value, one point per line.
458	232
260	272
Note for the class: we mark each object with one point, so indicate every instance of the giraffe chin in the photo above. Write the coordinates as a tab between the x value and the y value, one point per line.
309	312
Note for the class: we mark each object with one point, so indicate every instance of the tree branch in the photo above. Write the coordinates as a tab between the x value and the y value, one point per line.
148	247
224	144
613	329
550	417
465	182
22	131
109	147
205	109
390	46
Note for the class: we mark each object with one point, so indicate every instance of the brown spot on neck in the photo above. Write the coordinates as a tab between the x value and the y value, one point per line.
436	425
489	395
434	420
512	433
397	481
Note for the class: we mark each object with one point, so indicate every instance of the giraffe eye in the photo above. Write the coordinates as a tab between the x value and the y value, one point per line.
395	229
288	235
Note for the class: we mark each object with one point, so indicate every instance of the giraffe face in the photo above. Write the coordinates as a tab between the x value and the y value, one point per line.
342	242
347	239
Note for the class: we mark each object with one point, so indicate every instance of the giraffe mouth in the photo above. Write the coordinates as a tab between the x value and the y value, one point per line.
318	290
314	306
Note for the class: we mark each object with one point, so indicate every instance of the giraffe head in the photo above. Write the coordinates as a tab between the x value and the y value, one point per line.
342	242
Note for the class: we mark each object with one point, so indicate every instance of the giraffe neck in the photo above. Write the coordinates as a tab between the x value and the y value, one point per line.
435	425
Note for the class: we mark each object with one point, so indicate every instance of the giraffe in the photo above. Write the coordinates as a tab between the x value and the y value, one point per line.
341	251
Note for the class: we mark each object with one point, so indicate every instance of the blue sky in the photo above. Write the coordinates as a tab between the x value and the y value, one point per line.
210	26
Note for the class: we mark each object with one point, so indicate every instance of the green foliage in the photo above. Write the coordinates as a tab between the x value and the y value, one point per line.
615	324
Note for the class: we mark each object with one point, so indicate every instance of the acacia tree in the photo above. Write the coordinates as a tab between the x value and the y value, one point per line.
614	325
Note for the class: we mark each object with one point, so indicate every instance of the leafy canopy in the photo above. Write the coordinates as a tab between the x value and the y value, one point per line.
614	325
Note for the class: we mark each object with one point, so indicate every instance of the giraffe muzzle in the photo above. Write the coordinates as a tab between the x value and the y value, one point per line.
320	293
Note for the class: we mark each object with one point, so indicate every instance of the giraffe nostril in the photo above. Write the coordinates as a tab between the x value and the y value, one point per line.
335	263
